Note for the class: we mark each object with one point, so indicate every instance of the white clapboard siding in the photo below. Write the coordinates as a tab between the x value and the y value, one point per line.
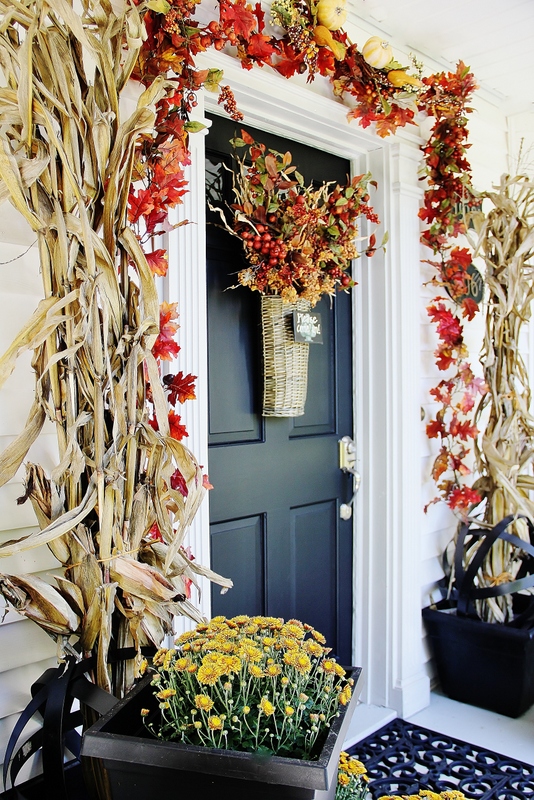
25	650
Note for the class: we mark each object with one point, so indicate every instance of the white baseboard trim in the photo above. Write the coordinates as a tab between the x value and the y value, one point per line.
366	720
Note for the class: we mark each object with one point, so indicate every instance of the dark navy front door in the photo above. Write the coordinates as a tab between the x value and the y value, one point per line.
275	524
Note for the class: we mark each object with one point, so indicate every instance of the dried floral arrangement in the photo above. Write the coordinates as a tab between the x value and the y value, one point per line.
253	684
116	508
299	241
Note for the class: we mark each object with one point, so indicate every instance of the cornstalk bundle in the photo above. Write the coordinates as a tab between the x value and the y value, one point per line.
505	452
66	161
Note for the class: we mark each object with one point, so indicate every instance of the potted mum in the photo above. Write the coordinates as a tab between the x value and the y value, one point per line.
255	707
492	575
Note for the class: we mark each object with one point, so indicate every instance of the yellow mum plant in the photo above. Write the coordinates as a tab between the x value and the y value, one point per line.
255	684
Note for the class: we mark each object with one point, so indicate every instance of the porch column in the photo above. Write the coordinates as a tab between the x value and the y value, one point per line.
388	553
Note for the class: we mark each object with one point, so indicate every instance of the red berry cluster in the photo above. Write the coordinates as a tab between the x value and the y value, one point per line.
260	239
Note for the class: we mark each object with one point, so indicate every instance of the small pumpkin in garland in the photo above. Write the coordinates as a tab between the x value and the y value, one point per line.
377	52
324	38
400	78
331	14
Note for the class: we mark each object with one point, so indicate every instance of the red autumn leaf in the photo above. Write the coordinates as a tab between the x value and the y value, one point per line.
239	16
157	261
165	348
458	465
469	308
462	430
178	483
444	358
181	387
326	62
291	61
260	47
449	327
247	138
176	429
260	16
154	534
443	392
463	498
140	204
461	256
435	428
441	464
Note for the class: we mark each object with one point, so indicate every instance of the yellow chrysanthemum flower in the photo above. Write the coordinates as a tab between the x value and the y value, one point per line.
165	694
266	706
209	674
255	671
145	712
345	696
250	653
289	711
203	702
356	767
273	670
159	657
328	666
215	723
242	619
318	637
295	631
181	664
184	637
313	648
343	779
246	709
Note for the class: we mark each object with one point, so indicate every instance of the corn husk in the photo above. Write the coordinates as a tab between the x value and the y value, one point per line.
66	160
505	451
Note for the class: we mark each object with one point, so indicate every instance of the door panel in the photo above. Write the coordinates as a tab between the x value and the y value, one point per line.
275	525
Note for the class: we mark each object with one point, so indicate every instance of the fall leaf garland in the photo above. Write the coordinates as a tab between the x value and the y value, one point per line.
448	192
388	98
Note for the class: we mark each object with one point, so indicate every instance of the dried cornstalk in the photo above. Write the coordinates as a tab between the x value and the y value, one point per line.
66	161
505	451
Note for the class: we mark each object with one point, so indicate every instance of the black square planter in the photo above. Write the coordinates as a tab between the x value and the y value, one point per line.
140	766
483	664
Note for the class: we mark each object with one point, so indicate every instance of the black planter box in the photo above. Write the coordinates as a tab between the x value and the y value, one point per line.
483	664
139	766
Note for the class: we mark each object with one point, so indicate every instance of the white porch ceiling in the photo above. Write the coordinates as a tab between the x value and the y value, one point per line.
494	37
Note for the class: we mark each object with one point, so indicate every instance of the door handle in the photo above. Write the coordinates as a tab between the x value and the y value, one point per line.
347	463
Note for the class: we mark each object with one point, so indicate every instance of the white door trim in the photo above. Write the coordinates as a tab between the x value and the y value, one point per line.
387	621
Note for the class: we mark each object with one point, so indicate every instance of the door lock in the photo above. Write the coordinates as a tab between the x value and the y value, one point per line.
347	463
347	455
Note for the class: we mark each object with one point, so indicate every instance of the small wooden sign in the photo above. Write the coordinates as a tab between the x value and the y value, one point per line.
308	327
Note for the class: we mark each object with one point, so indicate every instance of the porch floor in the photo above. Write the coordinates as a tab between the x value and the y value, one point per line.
504	735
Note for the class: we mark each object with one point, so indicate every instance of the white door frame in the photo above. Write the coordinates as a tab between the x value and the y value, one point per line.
387	575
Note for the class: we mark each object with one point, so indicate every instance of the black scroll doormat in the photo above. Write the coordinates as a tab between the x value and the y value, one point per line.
402	758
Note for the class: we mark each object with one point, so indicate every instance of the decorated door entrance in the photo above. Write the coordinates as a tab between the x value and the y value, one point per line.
276	528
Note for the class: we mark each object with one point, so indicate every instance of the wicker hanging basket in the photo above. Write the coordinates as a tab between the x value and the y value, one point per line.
285	361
